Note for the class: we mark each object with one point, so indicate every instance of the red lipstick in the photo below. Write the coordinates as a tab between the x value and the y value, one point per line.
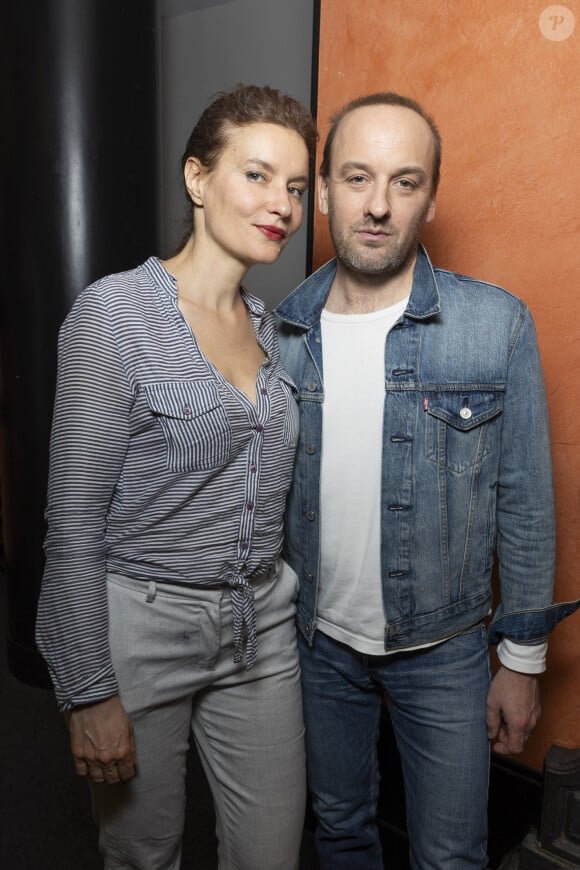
276	234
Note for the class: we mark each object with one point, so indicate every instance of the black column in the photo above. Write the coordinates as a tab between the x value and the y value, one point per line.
78	200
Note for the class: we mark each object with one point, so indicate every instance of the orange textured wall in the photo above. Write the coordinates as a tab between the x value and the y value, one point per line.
502	81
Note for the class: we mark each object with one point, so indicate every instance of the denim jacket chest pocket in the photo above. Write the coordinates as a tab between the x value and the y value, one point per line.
461	427
194	422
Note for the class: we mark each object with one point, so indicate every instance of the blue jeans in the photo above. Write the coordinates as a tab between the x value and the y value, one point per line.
437	704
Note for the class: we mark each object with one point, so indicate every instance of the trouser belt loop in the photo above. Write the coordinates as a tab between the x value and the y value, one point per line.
152	592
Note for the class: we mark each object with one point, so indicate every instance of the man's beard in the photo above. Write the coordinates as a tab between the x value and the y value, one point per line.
388	258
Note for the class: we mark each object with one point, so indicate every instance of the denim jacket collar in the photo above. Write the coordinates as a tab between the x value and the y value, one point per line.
302	308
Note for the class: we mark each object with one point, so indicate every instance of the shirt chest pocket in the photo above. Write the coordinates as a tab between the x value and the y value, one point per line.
288	408
194	423
462	427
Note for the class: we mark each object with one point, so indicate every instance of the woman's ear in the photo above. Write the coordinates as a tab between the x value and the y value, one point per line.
193	174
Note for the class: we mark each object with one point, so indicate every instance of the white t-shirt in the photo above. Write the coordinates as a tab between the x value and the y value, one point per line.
350	606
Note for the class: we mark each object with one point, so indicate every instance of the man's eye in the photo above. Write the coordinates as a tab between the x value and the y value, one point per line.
357	179
406	184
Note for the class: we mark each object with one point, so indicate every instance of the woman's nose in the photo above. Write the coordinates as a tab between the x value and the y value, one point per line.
280	202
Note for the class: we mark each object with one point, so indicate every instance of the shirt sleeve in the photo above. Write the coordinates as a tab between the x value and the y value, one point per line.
521	657
90	434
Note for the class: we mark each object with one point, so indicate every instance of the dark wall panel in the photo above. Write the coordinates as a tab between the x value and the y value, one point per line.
78	200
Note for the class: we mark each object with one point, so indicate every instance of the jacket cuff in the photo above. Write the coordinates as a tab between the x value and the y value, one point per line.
529	626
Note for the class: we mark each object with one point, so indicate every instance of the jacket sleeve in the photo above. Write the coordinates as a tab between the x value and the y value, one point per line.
525	500
89	439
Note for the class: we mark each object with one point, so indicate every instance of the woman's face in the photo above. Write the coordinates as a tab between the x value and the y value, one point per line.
252	199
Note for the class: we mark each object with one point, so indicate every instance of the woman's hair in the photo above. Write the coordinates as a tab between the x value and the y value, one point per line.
245	104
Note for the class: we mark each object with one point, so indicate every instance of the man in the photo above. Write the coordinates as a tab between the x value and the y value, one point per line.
424	446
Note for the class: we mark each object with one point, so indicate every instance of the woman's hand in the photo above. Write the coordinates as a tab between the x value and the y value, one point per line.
102	741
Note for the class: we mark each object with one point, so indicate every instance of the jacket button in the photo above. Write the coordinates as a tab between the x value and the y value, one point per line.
465	413
311	387
308	576
310	449
310	515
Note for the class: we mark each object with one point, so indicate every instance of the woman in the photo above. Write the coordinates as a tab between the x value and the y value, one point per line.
164	606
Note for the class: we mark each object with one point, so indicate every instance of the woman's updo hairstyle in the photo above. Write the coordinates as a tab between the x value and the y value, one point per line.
245	104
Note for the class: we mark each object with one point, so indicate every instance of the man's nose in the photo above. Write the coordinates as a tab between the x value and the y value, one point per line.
378	203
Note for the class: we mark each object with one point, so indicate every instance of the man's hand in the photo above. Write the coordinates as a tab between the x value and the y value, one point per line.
513	709
102	742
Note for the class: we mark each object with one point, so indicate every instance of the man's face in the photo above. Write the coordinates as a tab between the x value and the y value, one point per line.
378	194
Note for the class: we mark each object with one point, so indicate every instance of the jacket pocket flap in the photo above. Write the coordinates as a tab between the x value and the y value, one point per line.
465	410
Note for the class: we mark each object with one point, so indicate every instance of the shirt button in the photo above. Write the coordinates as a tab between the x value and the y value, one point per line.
259	428
310	449
253	469
465	413
187	410
250	505
310	515
243	545
264	391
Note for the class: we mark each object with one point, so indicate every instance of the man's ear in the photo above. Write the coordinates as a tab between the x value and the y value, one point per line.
430	211
193	175
322	183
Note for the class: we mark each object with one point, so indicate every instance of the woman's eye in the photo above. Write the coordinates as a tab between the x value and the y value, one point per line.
296	191
255	176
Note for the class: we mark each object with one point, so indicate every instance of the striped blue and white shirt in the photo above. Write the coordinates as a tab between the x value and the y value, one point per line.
160	470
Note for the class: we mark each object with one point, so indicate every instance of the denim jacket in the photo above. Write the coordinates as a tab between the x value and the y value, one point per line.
466	467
